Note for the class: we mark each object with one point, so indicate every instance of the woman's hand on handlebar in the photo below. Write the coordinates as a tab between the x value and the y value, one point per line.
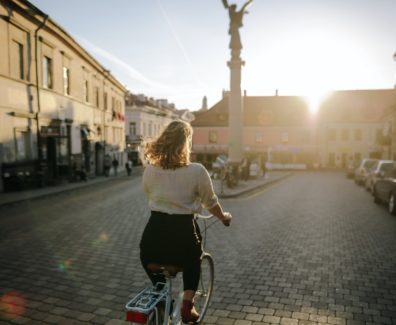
226	220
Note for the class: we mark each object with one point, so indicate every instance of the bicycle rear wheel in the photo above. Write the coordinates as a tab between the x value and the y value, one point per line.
205	286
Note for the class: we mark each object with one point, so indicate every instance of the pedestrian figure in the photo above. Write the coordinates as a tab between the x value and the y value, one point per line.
263	167
245	169
107	165
115	166
128	167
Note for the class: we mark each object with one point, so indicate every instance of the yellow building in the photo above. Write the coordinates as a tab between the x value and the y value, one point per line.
61	111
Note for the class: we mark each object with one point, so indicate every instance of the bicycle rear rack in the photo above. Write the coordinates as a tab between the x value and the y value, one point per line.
139	308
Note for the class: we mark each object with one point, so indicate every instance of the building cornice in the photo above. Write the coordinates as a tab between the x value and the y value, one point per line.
30	12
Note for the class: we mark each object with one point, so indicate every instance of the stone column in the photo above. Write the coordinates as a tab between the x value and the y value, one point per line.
235	112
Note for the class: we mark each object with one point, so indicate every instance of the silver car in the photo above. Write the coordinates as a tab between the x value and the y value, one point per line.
362	171
377	172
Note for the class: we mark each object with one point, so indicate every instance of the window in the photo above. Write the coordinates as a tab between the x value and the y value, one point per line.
106	133
132	128
97	96
22	144
66	81
47	73
212	136
358	135
20	60
259	137
115	140
345	135
105	101
86	90
332	159
18	52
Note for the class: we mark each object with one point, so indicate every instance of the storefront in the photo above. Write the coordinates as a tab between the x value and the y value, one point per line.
55	151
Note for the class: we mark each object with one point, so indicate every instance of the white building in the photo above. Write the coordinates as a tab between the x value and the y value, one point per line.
146	118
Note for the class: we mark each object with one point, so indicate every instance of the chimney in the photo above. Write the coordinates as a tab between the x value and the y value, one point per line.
245	93
204	103
276	92
226	93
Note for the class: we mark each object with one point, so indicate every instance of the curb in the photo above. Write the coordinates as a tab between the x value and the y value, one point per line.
254	189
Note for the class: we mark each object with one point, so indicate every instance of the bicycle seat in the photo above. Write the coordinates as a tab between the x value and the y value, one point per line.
167	269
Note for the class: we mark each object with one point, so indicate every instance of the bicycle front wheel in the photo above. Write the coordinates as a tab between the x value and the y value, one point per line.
205	287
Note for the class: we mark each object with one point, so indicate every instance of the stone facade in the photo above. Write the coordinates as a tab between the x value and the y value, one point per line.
61	111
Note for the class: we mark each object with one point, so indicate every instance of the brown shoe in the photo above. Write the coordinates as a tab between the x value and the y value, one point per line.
188	313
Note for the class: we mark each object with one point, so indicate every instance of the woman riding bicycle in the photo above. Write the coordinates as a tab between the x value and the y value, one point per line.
176	189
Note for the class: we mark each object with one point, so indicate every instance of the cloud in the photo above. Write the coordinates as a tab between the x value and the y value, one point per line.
131	72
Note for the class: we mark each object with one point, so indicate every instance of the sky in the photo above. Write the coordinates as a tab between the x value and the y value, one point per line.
178	49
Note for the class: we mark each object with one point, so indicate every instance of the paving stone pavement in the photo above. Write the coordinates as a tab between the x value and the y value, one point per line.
310	249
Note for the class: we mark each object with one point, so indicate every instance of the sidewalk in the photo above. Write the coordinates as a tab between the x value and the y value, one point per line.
241	188
245	187
18	196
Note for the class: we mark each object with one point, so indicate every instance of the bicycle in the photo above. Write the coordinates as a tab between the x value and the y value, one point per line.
147	307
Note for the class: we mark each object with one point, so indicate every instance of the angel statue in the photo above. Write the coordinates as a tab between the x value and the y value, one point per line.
235	23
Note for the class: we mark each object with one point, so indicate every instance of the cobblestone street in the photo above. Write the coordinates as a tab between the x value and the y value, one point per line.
310	249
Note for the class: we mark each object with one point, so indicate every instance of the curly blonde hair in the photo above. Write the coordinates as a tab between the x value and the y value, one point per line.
172	148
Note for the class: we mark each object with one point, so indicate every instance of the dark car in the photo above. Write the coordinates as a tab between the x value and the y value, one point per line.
385	190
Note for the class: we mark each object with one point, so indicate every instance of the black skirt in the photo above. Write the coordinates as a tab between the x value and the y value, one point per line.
171	239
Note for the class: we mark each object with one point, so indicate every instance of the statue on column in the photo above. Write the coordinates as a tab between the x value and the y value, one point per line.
235	23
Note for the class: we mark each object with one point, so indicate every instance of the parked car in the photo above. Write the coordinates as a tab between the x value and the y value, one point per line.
377	172
218	165
254	169
362	171
385	190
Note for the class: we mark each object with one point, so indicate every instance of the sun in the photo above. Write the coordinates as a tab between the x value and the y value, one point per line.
315	99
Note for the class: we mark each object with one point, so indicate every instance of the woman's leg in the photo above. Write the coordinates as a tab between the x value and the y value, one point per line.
191	274
154	277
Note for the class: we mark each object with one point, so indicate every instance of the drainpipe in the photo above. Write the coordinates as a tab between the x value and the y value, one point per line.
40	170
39	151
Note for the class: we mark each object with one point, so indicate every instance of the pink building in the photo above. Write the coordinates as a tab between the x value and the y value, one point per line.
279	129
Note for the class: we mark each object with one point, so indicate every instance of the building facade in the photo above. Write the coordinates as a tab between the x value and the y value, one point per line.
276	129
145	119
349	125
61	111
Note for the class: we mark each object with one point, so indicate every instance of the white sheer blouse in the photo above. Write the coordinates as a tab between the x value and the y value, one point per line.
183	190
